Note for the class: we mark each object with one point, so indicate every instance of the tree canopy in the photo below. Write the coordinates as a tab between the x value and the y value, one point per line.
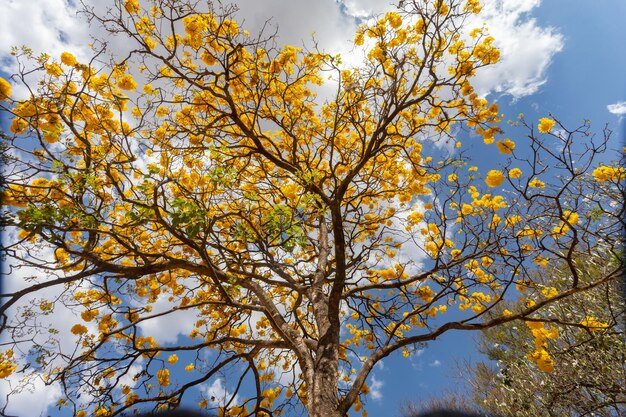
585	335
588	344
310	234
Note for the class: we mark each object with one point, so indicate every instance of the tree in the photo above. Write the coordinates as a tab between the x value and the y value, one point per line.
589	362
587	345
310	238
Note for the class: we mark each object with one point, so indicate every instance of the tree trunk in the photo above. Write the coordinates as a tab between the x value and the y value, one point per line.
323	393
323	398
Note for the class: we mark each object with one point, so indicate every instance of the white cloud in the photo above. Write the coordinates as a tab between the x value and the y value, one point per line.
49	26
166	329
128	377
436	363
323	18
218	395
44	25
526	48
618	109
33	399
30	396
376	389
364	9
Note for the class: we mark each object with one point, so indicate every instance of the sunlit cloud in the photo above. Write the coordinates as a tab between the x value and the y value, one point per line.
618	109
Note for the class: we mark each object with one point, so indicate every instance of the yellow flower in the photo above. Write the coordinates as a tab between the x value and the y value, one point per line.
132	6
163	377
543	360
172	359
593	324
473	6
452	177
466	209
166	72
78	329
5	89
68	59
545	124
606	173
359	38
506	147
127	82
54	70
102	412
571	217
88	315
515	173
537	183
550	292
494	178
394	19
190	367
7	366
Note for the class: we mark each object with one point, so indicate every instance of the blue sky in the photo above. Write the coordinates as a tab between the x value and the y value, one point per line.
566	57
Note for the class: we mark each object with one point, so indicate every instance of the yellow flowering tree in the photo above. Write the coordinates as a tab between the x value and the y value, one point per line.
308	239
583	340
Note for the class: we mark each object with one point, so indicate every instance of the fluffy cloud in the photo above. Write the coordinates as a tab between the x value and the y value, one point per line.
323	18
30	400
364	9
165	329
218	395
50	26
618	109
376	386
30	396
527	49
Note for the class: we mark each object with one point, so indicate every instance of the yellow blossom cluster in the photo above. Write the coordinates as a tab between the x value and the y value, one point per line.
529	232
506	146
540	355
68	59
570	218
7	365
536	183
5	89
494	178
78	329
609	173
545	125
163	377
473	6
515	173
593	324
132	6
